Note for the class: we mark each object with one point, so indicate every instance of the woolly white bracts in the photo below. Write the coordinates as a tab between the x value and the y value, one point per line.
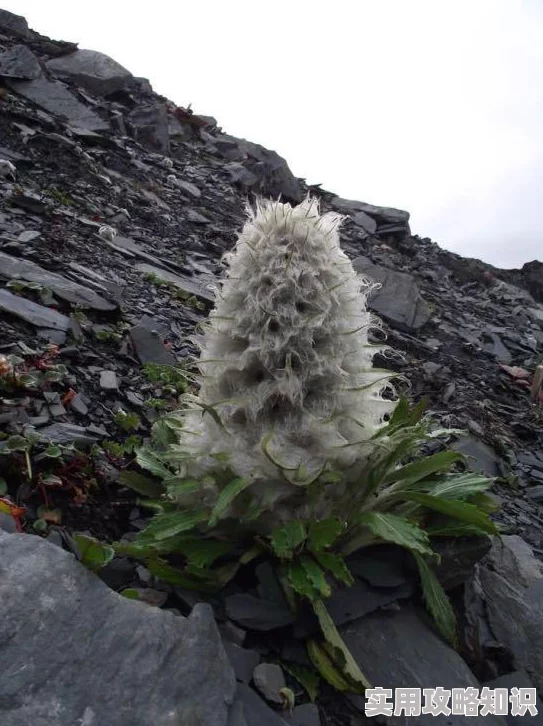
108	233
7	169
286	361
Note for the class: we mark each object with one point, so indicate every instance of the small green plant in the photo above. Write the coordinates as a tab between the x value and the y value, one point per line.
60	196
43	293
118	450
33	370
159	404
177	292
127	421
174	380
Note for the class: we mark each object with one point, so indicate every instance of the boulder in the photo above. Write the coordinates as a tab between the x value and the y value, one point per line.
75	652
150	127
93	71
19	62
398	300
12	24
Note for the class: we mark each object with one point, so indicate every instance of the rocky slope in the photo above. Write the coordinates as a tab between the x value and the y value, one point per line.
116	206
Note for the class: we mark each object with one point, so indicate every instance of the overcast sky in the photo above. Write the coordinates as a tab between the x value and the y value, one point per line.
434	106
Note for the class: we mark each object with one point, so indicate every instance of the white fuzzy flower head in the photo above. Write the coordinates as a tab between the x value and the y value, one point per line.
166	162
286	359
108	233
7	169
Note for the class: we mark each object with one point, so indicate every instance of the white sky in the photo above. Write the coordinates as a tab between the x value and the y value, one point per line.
434	106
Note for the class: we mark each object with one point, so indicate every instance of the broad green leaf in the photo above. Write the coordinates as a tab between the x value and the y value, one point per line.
454	508
178	486
316	576
202	553
169	524
399	530
485	502
417	470
147	459
334	640
400	413
460	486
335	564
226	497
436	600
323	534
285	540
325	666
141	484
299	580
174	576
53	451
94	554
306	677
454	528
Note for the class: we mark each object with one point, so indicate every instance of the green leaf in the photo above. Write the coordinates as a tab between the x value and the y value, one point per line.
460	486
298	578
335	564
40	525
16	443
165	572
485	502
411	473
400	413
399	530
325	666
94	554
226	497
131	593
454	508
306	677
202	553
437	602
340	651
169	524
454	528
179	486
316	576
147	459
141	484
285	540
323	534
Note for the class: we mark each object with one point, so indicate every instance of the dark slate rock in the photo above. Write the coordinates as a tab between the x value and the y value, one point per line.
14	268
20	62
55	98
535	493
458	558
398	650
482	458
379	567
519	679
12	24
64	433
398	300
367	223
149	125
532	273
11	155
510	582
350	603
242	660
381	214
257	614
307	714
149	346
7	523
496	348
33	313
269	679
103	659
249	709
96	72
188	284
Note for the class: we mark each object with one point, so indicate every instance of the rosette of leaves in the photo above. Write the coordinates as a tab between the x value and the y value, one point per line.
290	450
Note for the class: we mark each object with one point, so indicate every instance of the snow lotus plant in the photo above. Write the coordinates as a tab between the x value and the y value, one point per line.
294	447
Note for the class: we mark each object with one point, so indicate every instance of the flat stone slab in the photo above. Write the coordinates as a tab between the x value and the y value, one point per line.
95	71
398	300
19	62
397	650
54	97
188	284
381	214
14	268
32	313
73	651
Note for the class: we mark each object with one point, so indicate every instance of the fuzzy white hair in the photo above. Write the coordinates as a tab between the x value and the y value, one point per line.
7	169
285	358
